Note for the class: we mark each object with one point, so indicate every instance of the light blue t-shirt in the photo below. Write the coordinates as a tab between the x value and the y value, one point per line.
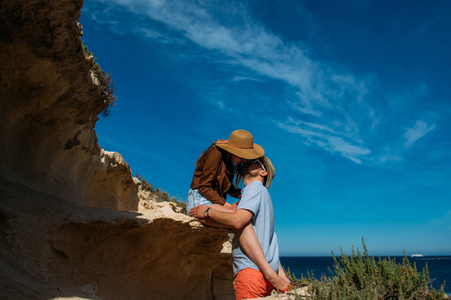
255	198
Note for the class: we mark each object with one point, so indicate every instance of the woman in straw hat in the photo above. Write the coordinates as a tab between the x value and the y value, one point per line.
213	180
216	167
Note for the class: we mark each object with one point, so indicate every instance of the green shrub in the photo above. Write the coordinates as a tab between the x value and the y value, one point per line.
146	185
165	196
105	83
159	195
362	277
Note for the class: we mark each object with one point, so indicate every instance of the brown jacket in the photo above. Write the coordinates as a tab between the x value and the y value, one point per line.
213	177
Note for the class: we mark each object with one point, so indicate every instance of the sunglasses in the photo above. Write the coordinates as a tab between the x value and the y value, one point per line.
254	161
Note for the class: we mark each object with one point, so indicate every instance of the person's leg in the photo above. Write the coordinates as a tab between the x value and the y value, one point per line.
195	199
253	249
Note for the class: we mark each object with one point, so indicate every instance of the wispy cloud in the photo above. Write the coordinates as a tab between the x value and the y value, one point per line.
243	78
420	129
317	90
340	117
327	139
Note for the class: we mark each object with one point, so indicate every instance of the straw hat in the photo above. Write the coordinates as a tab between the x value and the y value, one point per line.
241	144
269	169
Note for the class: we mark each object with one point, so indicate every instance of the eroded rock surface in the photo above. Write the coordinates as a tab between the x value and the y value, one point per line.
54	249
71	225
49	106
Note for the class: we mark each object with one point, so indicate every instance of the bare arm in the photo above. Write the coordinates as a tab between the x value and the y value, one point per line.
282	274
253	249
248	240
236	220
213	223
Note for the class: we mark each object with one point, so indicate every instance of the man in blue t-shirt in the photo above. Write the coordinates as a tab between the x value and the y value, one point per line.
255	208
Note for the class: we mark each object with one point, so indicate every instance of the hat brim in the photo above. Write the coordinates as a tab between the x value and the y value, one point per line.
270	170
251	153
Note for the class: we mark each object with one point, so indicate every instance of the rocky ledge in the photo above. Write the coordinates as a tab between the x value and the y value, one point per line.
71	222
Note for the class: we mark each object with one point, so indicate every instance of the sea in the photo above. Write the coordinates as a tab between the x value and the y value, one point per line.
439	267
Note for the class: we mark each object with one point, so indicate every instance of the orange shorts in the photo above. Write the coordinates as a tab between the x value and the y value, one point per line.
250	283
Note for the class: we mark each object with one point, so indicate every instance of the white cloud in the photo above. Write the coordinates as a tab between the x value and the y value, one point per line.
325	138
341	119
151	33
420	129
249	44
244	78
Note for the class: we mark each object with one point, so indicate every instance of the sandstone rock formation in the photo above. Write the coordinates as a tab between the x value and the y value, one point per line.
49	107
53	249
71	225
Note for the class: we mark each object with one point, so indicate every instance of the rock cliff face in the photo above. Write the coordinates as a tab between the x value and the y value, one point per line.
70	220
51	249
49	107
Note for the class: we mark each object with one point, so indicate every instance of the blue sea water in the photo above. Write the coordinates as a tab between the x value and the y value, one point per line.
439	267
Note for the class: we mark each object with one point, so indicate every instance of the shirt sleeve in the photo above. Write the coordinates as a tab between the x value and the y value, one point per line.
250	201
207	178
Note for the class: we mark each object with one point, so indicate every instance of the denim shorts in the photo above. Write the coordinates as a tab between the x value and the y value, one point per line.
195	199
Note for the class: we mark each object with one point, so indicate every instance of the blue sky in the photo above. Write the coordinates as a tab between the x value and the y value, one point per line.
350	100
